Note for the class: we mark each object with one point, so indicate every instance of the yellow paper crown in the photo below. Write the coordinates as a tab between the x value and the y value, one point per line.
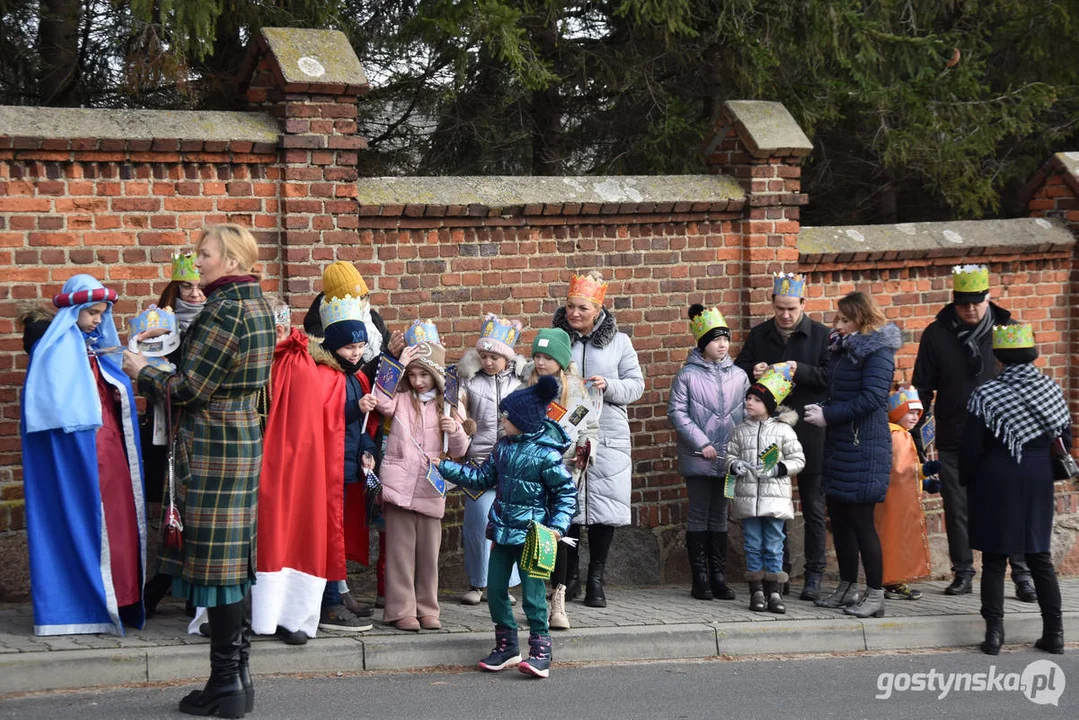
1012	337
970	278
583	286
333	310
777	384
183	268
705	321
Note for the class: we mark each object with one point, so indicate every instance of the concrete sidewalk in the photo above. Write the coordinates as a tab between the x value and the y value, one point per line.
638	624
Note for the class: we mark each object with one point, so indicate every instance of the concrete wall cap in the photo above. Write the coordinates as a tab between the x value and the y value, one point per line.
52	122
315	57
767	128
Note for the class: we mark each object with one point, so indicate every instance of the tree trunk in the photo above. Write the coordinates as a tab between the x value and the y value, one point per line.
546	110
58	48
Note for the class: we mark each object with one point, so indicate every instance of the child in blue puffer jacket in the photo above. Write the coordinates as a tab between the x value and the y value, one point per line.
532	484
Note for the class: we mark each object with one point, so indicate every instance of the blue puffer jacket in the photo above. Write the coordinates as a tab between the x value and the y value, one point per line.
531	480
858	444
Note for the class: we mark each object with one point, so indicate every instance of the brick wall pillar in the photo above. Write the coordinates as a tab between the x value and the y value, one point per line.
761	145
311	80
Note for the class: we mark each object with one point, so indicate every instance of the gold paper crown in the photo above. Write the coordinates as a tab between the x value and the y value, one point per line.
705	321
779	386
1012	337
583	286
970	278
183	268
336	309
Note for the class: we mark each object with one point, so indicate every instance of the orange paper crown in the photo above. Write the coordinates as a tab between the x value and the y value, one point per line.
583	286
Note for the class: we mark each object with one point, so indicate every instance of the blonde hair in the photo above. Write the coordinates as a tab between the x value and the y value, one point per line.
563	380
236	242
861	308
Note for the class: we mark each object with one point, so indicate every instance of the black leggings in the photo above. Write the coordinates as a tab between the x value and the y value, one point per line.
854	532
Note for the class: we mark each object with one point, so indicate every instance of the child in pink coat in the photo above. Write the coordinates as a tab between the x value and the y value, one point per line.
411	505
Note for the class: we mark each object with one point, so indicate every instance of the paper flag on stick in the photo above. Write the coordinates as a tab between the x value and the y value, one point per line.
770	456
435	478
389	375
555	411
452	393
929	432
728	486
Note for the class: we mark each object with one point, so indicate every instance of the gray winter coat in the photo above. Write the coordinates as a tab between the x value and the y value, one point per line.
707	401
482	395
605	493
765	497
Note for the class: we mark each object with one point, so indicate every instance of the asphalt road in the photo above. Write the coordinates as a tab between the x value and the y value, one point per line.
922	685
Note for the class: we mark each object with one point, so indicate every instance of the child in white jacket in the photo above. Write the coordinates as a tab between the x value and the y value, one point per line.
762	454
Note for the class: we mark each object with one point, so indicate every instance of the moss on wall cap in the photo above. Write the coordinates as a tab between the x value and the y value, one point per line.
68	123
315	61
766	128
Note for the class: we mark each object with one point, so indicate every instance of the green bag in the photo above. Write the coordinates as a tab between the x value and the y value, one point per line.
540	551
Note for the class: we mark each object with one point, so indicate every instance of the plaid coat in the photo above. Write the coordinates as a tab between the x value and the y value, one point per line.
225	359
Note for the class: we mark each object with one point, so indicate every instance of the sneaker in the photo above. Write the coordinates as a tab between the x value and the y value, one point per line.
902	591
338	617
357	608
474	596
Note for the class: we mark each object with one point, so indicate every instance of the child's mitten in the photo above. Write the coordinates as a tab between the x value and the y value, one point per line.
738	467
931	485
931	467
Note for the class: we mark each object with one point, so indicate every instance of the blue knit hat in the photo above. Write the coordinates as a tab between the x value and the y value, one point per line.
526	408
344	333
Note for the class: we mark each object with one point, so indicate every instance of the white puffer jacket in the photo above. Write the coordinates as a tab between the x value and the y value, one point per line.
765	497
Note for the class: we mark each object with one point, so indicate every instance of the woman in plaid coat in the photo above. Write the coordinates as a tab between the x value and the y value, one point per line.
225	360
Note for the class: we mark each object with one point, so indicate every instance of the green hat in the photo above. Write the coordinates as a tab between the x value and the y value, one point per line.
553	342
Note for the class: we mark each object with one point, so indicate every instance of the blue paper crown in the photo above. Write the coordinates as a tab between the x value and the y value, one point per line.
503	331
789	285
333	310
153	318
904	396
422	331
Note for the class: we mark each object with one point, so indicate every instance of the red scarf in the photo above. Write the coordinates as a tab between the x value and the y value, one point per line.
221	281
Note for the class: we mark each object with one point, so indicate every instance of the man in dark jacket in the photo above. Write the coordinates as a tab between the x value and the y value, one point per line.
955	355
792	337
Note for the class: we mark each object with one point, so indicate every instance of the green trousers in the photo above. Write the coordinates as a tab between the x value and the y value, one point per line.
533	591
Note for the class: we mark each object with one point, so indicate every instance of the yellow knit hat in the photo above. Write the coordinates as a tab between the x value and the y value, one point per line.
342	278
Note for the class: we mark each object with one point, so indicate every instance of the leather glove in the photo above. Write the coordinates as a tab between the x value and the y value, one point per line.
814	415
931	485
931	467
738	467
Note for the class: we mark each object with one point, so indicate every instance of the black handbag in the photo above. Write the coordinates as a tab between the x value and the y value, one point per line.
1064	467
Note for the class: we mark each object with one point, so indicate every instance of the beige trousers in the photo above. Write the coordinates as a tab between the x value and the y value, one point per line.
412	544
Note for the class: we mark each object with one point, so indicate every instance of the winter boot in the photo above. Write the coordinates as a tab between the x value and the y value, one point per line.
599	545
223	693
155	589
994	636
811	586
593	594
245	655
773	582
558	620
506	653
538	663
757	601
871	604
1052	639
717	566
845	594
573	570
698	565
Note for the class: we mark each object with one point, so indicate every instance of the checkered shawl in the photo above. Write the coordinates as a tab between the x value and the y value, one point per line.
225	362
1020	405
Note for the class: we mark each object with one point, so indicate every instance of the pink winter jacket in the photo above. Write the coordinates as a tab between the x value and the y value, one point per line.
404	469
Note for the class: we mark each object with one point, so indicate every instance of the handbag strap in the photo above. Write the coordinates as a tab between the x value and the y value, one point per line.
170	425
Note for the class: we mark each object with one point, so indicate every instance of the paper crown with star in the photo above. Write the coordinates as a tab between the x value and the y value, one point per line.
334	310
183	268
776	383
498	335
1013	337
970	278
902	401
153	318
788	285
160	345
706	320
422	331
589	288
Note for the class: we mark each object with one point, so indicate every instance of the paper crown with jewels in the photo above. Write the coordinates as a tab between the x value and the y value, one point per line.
776	383
422	331
788	285
902	401
335	310
705	321
970	278
1013	337
784	369
283	315
183	268
498	335
583	286
153	318
161	344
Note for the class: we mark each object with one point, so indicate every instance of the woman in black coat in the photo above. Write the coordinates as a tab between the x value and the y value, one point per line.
1006	465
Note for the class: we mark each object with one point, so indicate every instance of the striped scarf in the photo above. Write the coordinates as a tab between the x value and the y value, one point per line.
1020	405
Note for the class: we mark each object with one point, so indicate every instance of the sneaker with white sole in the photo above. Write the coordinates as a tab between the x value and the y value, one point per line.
538	663
338	617
474	596
506	653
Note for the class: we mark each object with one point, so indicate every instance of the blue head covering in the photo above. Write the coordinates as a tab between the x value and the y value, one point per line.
60	391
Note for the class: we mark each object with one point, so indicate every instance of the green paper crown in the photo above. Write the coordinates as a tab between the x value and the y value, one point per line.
183	268
707	320
1012	337
970	278
779	386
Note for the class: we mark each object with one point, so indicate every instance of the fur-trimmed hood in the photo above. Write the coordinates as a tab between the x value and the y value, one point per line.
321	355
786	415
859	346
34	320
469	365
602	334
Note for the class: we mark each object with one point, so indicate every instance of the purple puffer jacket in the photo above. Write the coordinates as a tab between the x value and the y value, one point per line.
707	402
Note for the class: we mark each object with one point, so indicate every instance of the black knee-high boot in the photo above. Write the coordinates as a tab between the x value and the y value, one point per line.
224	693
717	565
245	655
573	570
1045	582
156	588
599	544
698	565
